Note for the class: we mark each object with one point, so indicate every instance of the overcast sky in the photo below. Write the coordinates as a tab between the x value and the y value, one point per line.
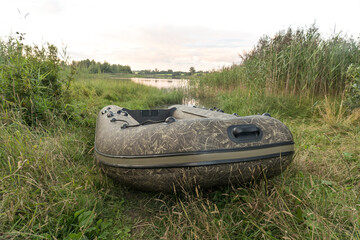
149	34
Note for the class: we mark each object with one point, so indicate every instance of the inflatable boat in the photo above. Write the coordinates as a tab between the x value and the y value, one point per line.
182	146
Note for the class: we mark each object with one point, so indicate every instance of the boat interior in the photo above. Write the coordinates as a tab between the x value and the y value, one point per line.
142	116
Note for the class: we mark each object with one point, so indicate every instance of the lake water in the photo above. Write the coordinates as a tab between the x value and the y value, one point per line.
168	84
162	83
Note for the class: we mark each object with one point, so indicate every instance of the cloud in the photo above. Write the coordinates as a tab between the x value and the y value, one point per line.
171	47
50	7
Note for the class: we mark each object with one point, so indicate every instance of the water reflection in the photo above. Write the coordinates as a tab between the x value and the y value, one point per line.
169	84
162	83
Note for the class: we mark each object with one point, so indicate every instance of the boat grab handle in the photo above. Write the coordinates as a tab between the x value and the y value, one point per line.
244	133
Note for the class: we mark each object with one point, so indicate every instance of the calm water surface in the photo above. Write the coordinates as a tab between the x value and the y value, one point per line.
162	83
168	84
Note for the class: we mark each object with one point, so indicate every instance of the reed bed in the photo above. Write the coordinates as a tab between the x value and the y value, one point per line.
293	62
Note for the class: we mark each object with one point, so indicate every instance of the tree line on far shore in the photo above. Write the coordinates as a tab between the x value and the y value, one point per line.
91	66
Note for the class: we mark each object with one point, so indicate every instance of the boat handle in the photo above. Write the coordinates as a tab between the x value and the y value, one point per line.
244	133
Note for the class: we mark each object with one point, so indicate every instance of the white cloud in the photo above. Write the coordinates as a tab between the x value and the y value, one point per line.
168	46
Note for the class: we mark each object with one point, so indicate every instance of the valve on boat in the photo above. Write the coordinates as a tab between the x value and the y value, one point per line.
125	125
170	120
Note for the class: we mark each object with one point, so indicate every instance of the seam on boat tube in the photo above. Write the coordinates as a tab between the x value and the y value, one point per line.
198	164
194	152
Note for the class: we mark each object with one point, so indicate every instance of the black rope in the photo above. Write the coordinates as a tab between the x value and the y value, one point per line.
126	125
143	123
118	120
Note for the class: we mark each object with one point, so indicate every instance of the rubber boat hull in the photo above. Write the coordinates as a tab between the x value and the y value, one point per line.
145	150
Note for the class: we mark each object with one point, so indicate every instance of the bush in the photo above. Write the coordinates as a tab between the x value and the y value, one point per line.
30	81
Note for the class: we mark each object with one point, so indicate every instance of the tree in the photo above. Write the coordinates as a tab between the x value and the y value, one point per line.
192	70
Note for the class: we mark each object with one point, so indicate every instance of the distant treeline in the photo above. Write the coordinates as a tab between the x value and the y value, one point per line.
91	66
174	74
156	71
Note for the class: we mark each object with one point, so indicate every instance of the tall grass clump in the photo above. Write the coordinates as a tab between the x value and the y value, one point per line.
352	100
292	62
30	81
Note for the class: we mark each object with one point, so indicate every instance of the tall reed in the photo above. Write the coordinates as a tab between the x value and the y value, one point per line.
292	62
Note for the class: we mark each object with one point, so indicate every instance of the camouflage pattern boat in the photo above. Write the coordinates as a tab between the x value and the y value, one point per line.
159	150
